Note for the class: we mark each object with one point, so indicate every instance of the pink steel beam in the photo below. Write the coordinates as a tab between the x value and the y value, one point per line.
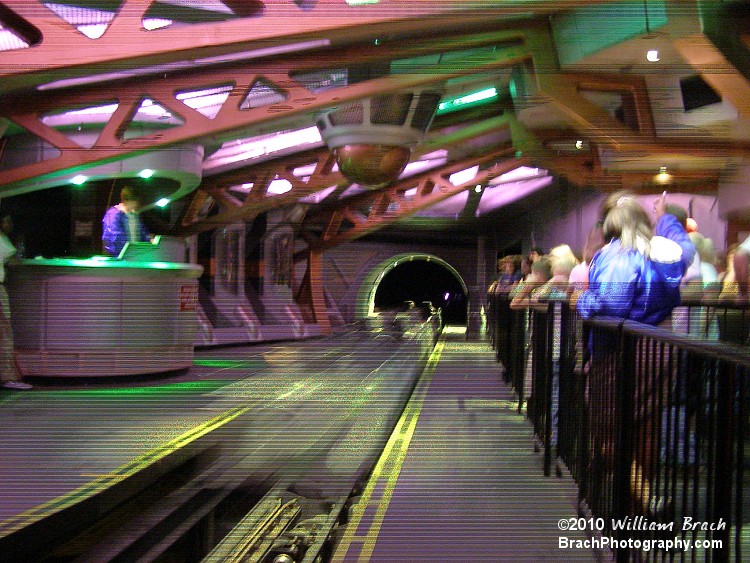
370	211
58	48
277	74
258	199
323	176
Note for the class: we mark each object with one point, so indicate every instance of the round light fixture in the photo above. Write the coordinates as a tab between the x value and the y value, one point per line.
373	166
372	138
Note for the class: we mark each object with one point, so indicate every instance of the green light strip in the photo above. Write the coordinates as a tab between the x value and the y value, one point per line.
227	364
469	100
168	390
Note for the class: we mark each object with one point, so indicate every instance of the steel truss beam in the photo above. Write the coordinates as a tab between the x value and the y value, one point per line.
57	48
324	176
278	75
310	295
258	199
367	212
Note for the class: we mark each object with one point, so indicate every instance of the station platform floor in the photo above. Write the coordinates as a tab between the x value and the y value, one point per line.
457	481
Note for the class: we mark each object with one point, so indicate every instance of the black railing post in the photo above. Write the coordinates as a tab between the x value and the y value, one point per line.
491	318
740	428
518	352
625	375
722	506
547	374
565	403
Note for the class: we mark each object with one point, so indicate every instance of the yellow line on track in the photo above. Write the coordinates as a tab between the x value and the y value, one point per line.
118	475
386	472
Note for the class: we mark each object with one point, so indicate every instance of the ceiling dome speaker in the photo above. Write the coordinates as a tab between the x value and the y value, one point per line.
372	138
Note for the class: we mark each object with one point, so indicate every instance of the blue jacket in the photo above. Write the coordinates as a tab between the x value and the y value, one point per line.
115	230
627	284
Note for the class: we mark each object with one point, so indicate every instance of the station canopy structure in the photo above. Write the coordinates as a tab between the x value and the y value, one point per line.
354	115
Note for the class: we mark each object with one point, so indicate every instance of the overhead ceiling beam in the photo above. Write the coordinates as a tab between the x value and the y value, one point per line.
278	75
565	90
580	168
716	70
608	136
370	211
59	47
259	200
699	182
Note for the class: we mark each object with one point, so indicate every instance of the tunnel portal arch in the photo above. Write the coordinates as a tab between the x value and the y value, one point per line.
368	289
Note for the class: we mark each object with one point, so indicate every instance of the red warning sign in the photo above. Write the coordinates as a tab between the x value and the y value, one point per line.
188	297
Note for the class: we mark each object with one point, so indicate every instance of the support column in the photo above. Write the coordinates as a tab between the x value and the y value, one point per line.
310	295
476	294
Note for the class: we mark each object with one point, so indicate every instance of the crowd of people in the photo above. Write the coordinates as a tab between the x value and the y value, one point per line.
639	265
631	266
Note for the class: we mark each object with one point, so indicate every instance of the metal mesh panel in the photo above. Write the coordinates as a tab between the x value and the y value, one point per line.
351	114
391	109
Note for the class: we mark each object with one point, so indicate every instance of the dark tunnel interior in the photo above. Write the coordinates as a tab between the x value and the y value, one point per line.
423	280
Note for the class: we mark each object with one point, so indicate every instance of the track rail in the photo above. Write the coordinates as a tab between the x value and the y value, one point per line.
244	485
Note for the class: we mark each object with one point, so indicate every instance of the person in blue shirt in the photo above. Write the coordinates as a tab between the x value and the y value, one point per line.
635	276
122	224
509	273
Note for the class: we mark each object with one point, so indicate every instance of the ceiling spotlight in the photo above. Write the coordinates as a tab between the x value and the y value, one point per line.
163	202
79	180
652	56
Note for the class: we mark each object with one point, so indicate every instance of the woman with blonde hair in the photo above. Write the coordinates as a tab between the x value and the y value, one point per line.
634	276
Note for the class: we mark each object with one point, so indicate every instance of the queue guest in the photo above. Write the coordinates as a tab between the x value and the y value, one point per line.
510	273
521	294
535	254
729	277
562	261
742	267
522	297
525	267
636	276
8	372
579	275
121	223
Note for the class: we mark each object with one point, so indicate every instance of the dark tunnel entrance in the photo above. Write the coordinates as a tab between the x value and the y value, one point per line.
424	280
